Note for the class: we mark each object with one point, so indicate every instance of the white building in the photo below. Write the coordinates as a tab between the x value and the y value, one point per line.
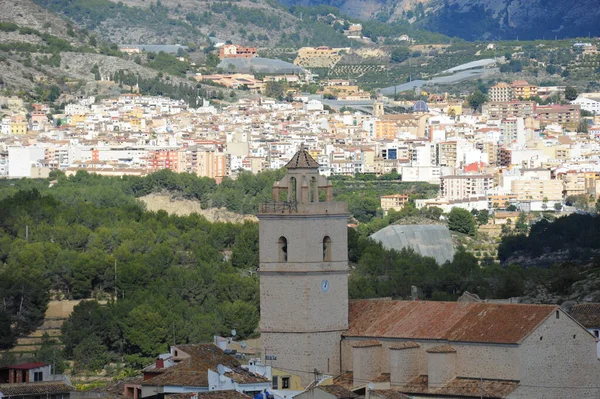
22	159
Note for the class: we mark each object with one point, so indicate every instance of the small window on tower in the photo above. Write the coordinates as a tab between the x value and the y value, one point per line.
327	249
283	257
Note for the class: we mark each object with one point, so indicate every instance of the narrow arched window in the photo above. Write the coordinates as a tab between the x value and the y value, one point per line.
282	244
327	249
292	190
314	190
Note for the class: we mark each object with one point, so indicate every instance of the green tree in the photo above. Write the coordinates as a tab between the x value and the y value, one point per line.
274	90
522	224
7	337
49	352
146	330
400	54
476	100
462	221
570	93
90	354
240	316
483	217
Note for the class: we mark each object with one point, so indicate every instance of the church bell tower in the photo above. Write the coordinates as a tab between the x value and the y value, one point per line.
303	272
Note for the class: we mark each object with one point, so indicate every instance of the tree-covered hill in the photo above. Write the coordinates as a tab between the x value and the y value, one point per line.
479	19
257	22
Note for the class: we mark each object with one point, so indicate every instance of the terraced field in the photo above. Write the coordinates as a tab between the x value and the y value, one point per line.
56	314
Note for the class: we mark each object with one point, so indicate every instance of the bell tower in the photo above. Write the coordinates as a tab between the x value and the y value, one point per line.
303	272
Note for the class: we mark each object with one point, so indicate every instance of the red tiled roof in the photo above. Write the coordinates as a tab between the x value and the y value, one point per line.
346	379
193	371
405	345
338	391
462	387
230	394
452	321
442	349
26	366
366	344
388	394
35	388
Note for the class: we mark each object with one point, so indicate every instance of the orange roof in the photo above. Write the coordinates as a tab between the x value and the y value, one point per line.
452	321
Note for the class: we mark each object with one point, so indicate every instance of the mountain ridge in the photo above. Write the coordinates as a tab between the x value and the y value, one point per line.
480	19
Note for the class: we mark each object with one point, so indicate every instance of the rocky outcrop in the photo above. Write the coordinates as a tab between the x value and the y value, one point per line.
183	207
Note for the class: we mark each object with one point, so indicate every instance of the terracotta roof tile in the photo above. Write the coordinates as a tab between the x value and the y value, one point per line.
366	344
302	159
26	366
338	391
442	349
462	387
588	314
452	321
346	379
35	388
383	377
405	345
193	371
388	394
230	394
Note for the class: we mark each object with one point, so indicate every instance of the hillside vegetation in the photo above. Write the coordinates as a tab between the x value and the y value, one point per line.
480	19
256	22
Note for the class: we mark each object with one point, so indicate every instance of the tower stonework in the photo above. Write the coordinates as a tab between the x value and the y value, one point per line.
303	272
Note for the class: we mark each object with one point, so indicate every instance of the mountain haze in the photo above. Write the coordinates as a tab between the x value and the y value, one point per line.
480	19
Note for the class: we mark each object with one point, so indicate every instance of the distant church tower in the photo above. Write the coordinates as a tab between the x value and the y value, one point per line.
303	272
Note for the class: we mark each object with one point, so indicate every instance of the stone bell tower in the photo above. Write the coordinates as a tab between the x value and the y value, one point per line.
303	272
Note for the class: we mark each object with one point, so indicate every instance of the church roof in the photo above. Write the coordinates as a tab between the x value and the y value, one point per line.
451	321
302	159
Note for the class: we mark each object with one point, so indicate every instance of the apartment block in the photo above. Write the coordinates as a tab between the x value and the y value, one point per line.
458	187
537	190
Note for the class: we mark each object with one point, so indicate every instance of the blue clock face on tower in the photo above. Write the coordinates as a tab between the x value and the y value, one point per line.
324	285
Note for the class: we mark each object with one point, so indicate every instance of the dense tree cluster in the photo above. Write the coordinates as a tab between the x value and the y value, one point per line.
174	277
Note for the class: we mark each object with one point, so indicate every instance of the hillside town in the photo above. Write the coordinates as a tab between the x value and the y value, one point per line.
512	153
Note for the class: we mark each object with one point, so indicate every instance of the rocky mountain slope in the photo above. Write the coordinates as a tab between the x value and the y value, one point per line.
251	22
481	19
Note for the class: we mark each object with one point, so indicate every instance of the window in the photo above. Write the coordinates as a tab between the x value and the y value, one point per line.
557	314
38	376
285	382
275	382
597	333
327	249
292	195
282	243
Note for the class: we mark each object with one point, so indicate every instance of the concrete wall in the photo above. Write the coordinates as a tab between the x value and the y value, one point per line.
404	365
301	353
559	360
441	368
472	360
366	363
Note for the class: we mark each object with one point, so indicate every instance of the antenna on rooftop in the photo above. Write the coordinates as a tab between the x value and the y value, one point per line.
243	344
233	333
